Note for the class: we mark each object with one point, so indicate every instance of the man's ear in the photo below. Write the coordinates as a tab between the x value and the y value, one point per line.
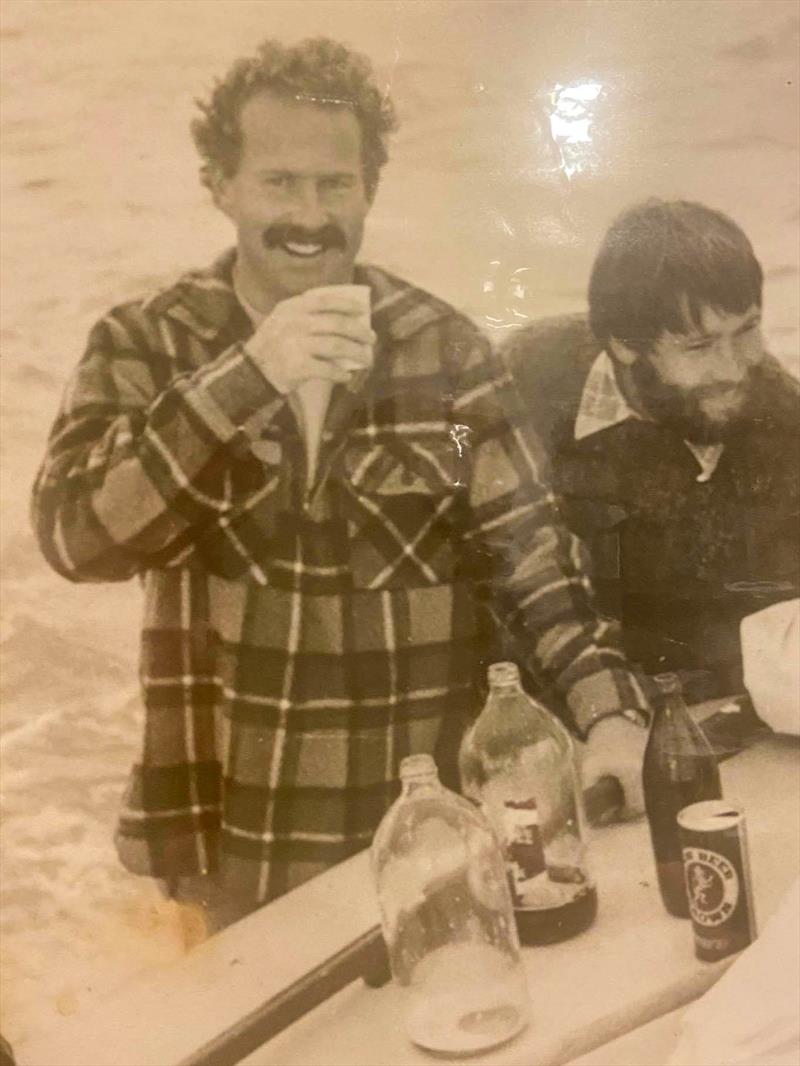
621	352
219	187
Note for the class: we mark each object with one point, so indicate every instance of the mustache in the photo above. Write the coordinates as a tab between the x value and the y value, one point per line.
329	235
680	409
721	388
655	390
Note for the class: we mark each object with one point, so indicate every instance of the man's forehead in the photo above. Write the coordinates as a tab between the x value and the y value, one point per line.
708	319
287	129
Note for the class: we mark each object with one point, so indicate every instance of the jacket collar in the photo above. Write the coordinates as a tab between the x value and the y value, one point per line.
204	300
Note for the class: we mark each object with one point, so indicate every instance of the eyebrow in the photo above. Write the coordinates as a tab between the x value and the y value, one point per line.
751	320
284	173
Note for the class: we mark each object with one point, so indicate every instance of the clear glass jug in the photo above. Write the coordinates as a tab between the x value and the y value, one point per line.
447	917
518	762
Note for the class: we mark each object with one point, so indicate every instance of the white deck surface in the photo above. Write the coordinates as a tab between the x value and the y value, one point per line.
649	1045
635	964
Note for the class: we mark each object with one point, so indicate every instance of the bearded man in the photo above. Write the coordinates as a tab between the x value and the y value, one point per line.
674	438
320	474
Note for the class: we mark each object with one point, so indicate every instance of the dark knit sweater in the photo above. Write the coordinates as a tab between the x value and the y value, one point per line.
678	561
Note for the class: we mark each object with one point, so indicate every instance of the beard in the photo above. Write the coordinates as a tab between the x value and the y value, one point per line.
682	410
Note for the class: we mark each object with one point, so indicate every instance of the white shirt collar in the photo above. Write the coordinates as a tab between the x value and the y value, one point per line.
602	402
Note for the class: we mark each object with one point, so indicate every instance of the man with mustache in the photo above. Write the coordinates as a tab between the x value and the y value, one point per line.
318	586
674	438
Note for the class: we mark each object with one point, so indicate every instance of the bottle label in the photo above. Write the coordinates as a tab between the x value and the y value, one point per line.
712	885
524	845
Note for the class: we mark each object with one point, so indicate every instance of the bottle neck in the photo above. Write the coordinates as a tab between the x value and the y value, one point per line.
674	733
418	787
505	688
673	705
511	720
418	772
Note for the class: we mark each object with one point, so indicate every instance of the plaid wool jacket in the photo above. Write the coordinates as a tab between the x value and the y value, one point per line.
299	641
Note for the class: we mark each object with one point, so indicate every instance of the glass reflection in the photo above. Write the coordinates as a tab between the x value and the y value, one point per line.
572	115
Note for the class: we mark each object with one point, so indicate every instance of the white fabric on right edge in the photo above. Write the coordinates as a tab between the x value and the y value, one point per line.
751	1017
771	659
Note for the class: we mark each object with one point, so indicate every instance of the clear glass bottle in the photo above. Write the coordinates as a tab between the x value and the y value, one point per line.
679	768
447	917
518	762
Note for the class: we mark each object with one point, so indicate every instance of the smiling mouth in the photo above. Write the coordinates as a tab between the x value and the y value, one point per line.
302	250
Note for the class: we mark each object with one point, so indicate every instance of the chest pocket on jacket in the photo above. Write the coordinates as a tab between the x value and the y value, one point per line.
399	498
241	540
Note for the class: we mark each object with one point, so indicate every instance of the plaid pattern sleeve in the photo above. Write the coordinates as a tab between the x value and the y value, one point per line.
140	454
533	569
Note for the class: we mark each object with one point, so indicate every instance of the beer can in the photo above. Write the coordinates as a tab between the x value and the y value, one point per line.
716	869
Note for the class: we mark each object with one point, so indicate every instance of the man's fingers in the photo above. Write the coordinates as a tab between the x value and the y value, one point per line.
332	301
329	325
628	799
330	370
634	796
338	349
615	747
603	799
630	803
630	782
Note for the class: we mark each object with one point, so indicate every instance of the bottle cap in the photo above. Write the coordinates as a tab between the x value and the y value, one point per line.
503	674
669	682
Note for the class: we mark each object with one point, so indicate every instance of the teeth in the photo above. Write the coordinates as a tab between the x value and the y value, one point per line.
303	249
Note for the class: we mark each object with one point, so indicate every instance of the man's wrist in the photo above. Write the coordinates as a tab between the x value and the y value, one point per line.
628	714
228	391
258	361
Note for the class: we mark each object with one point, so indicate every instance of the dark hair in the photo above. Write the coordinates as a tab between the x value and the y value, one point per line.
661	260
317	70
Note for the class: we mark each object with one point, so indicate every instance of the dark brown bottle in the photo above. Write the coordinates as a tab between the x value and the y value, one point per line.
679	769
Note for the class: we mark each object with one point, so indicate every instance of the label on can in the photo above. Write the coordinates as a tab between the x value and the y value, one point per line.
712	885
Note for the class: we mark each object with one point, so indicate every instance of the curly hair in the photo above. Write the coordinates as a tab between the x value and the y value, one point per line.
317	70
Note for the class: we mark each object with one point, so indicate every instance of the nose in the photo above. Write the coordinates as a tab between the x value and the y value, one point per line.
729	362
308	210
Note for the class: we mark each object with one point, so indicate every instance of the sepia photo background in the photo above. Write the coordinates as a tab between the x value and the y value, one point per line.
525	127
